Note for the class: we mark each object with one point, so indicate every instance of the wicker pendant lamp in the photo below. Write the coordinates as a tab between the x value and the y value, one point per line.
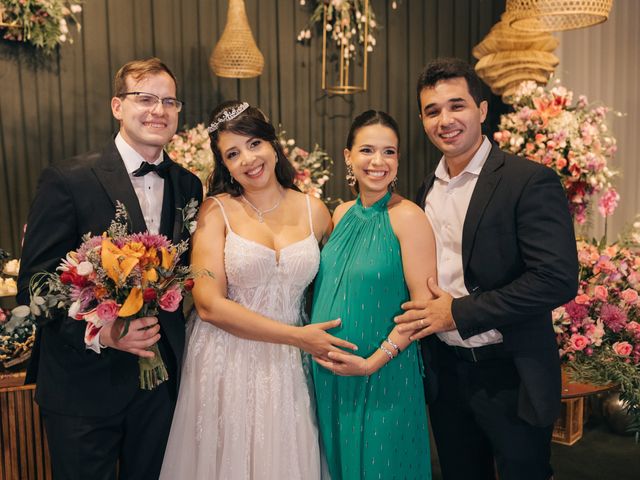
507	57
557	15
236	55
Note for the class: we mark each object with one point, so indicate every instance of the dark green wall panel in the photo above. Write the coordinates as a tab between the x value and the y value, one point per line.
54	108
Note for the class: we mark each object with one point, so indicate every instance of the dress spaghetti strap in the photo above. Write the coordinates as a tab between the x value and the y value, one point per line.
309	212
224	214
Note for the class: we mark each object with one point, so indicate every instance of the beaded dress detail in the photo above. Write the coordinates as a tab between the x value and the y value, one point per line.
245	408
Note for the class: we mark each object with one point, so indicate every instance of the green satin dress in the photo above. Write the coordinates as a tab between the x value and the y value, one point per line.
371	427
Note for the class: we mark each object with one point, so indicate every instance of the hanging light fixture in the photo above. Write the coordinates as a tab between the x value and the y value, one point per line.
557	15
236	54
507	57
351	43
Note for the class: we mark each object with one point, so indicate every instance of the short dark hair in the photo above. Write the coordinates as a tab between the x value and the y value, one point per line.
251	123
139	69
365	119
446	68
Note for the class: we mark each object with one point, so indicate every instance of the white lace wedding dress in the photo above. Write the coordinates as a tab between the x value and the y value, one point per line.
244	408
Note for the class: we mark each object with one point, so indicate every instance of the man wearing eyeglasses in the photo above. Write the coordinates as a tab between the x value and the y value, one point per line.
99	423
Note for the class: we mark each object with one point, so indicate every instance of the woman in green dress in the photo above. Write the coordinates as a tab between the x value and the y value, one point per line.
371	408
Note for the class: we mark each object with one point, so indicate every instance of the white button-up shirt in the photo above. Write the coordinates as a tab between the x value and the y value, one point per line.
446	207
149	188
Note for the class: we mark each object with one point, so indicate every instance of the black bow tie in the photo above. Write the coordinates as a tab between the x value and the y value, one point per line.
161	169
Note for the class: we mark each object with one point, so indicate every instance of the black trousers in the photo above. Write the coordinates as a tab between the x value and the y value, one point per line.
127	446
476	426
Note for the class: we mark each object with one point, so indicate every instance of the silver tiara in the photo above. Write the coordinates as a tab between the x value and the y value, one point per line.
226	115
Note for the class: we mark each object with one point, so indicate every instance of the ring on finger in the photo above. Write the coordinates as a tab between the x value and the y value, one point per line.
422	323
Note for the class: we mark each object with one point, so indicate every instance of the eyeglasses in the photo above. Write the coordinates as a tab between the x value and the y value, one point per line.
149	101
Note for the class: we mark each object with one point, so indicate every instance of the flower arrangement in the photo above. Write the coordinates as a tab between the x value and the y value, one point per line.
573	139
599	330
17	336
312	168
116	276
43	23
345	25
191	149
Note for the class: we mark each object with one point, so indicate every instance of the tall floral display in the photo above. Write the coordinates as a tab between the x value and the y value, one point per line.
598	331
572	138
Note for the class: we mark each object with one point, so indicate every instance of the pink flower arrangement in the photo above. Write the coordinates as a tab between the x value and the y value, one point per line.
548	128
313	169
604	316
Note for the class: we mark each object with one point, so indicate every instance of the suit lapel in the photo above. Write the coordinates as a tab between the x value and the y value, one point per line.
421	197
178	202
114	178
487	182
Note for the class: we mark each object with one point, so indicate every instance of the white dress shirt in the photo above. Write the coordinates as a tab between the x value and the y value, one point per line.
149	188
446	207
150	192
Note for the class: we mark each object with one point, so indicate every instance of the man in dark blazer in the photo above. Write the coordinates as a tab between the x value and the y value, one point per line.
99	422
506	257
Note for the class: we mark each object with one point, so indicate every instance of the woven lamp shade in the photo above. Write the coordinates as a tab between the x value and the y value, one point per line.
236	55
557	15
507	57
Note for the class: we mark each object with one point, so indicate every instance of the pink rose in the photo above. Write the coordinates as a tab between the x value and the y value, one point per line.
108	311
582	299
170	300
3	316
633	327
629	295
601	293
623	349
578	342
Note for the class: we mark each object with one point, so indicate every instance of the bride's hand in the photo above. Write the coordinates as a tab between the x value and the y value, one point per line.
346	364
315	340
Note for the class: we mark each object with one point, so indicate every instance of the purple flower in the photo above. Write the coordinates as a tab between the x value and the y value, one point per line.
613	317
575	311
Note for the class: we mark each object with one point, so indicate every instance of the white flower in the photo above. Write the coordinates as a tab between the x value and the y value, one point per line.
62	38
75	8
85	268
74	309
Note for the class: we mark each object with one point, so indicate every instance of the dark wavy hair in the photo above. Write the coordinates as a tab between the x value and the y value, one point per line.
254	124
445	69
371	117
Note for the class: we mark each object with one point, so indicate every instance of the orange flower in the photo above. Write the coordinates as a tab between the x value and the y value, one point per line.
116	263
167	257
132	304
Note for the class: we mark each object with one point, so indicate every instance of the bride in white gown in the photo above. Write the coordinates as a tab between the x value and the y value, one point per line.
244	407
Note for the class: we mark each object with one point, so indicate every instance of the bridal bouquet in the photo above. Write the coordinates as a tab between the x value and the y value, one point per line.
116	275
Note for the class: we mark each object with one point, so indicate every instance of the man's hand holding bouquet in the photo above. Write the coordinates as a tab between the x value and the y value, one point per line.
117	283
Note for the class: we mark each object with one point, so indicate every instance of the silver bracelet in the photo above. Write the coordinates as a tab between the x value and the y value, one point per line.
393	345
387	351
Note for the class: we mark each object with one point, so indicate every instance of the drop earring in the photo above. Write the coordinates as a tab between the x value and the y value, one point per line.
351	178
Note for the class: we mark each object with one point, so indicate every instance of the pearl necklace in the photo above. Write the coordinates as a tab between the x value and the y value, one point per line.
261	213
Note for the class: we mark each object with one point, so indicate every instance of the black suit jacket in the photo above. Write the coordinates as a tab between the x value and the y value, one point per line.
74	197
520	262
